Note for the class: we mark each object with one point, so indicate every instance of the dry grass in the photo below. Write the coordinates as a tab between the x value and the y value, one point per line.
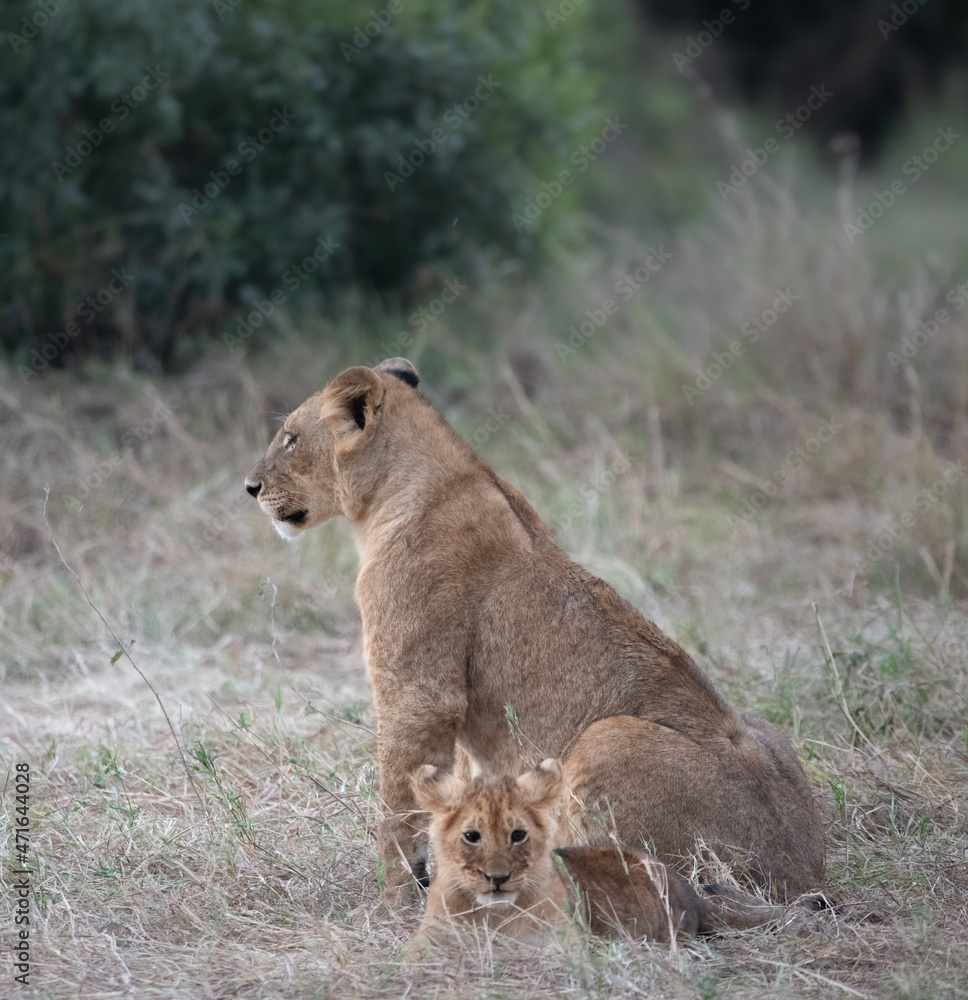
257	877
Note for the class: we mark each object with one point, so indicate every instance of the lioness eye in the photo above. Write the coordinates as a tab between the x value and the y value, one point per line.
517	836
291	442
472	836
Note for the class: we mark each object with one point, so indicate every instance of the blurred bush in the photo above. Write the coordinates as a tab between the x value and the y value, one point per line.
164	162
659	179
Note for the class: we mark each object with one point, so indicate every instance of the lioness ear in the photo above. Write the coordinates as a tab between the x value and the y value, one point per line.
544	784
400	368
435	789
354	396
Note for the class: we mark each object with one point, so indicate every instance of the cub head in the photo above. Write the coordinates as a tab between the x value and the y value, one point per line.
492	838
323	456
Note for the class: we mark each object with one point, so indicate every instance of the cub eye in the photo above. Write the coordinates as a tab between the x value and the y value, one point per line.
472	836
519	836
290	443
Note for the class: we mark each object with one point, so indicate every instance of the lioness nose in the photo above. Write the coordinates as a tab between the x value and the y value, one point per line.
497	880
253	488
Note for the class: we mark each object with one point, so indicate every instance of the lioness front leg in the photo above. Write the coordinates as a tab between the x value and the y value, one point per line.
409	736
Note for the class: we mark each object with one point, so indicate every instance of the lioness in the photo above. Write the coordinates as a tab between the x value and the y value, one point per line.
470	611
493	840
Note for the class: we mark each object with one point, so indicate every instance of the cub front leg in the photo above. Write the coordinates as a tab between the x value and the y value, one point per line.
412	732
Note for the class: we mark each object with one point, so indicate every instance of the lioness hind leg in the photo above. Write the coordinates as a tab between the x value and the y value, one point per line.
744	795
624	890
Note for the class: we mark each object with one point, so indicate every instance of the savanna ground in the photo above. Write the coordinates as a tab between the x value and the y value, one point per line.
241	862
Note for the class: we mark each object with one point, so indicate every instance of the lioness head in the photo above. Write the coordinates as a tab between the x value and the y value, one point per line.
491	838
324	460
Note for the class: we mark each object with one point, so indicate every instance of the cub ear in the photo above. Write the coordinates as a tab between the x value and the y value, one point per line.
400	368
354	396
542	786
436	789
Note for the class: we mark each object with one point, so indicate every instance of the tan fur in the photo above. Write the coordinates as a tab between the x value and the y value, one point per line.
509	887
468	607
627	890
516	888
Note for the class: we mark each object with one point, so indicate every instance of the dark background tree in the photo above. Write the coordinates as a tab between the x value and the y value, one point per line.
878	56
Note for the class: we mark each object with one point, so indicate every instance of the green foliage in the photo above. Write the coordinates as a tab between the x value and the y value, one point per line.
780	701
179	189
890	690
232	801
647	185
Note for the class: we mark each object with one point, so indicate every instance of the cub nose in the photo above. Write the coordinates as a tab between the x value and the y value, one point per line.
497	880
253	488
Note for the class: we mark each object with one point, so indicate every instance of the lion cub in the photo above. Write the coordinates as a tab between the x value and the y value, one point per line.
493	842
